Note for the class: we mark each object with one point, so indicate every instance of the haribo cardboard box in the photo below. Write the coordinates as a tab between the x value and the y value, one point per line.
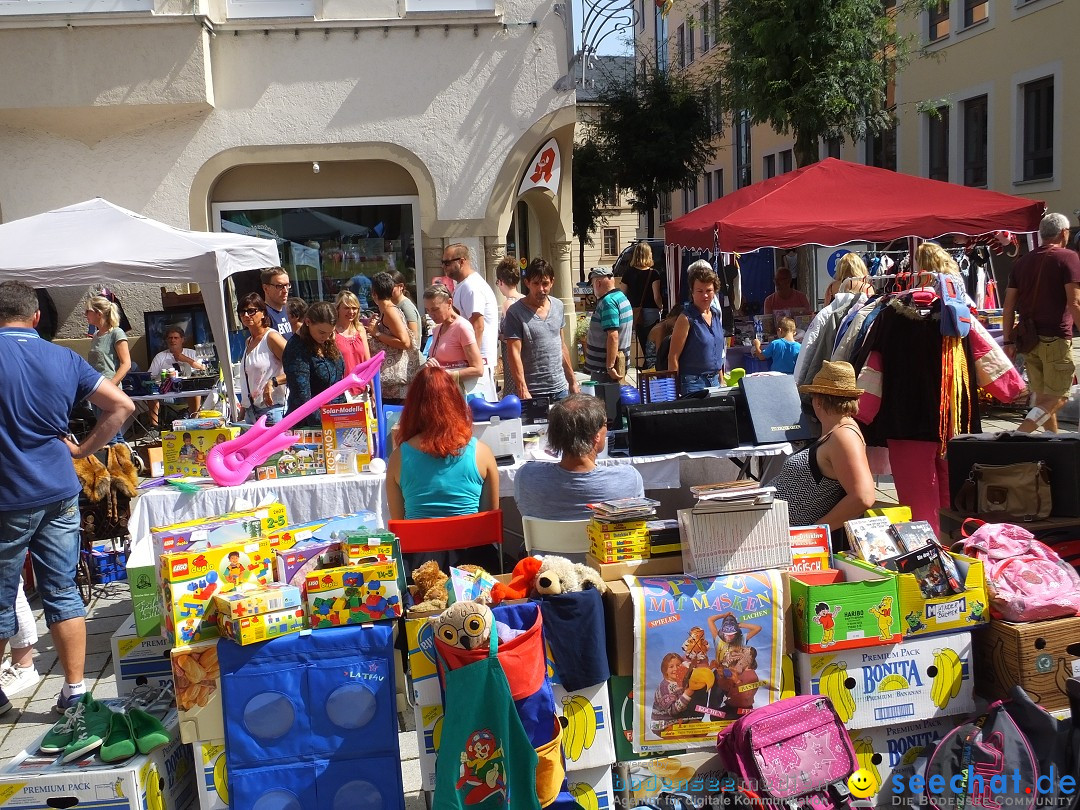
191	579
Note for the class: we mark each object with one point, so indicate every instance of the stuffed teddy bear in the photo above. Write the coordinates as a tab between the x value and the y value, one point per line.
558	575
464	624
428	590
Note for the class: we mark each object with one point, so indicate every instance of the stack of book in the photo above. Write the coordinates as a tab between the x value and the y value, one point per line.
908	548
619	529
664	537
731	496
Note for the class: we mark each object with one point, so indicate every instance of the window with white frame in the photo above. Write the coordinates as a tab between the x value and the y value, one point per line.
975	112
937	144
10	7
610	242
1038	129
259	9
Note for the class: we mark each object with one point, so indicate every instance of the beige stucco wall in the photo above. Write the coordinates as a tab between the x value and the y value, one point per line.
159	115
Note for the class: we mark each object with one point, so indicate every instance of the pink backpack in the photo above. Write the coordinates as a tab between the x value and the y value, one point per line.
1025	579
794	753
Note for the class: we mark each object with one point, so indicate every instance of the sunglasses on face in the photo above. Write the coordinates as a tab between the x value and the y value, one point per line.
249	312
448	262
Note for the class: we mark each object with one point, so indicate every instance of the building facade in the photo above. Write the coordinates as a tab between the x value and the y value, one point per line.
361	134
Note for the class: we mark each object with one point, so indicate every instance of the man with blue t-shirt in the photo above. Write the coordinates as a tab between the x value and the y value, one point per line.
40	382
276	286
607	345
577	430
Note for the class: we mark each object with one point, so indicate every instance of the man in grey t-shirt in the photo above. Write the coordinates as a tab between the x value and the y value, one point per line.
577	428
533	330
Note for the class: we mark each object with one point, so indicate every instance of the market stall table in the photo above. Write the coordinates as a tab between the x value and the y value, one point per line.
181	395
308	498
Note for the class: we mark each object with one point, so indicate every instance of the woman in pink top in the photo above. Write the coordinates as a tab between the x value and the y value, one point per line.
453	346
349	334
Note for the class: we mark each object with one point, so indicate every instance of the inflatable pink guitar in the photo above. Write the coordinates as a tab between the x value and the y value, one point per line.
230	463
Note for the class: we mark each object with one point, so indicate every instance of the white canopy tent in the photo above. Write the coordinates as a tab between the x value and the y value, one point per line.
95	241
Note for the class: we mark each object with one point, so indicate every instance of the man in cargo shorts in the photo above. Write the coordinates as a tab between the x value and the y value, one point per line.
1045	287
39	491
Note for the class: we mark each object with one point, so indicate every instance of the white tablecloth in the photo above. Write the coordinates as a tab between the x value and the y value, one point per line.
310	498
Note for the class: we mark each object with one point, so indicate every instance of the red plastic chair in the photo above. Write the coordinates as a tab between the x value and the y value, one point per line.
426	535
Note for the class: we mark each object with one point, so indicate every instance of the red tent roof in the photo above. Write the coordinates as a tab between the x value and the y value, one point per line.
833	202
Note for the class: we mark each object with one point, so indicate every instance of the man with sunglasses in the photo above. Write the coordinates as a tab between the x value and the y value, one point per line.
276	286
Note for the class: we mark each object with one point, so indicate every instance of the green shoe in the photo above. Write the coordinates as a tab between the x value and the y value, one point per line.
60	735
91	726
119	742
147	730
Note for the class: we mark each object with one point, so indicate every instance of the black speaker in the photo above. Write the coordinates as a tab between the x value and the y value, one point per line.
610	393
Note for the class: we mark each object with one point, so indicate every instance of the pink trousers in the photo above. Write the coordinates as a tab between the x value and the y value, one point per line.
921	477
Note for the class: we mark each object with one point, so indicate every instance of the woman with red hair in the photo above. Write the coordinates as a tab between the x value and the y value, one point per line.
438	468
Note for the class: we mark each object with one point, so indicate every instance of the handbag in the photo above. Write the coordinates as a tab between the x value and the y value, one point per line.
1019	491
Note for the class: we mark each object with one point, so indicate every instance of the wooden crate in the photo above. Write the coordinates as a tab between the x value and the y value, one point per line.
1040	656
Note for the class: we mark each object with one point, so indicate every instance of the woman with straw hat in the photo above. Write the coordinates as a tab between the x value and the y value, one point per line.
829	481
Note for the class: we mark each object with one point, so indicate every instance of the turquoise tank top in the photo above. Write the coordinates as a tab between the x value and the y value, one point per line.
440	487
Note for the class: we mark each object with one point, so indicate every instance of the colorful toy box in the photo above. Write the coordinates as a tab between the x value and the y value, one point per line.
274	597
287	537
185	451
261	626
197	678
164	779
190	579
293	566
353	594
1040	656
306	457
923	617
893	748
832	613
212	776
900	683
809	549
348	426
139	660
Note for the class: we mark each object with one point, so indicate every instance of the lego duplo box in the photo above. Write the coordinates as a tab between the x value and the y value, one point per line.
1040	656
353	594
261	626
249	524
138	660
185	451
164	779
191	579
943	614
211	775
892	748
275	596
900	683
833	613
197	678
587	740
306	457
348	426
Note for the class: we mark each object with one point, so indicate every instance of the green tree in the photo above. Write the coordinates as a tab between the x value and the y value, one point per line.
657	134
812	68
592	183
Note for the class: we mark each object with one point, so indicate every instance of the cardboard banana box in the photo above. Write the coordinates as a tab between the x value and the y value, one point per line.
898	683
592	788
587	727
893	748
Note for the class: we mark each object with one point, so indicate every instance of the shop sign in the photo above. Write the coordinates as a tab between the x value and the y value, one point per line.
544	170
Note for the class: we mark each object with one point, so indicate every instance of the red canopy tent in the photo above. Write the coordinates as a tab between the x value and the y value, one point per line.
833	202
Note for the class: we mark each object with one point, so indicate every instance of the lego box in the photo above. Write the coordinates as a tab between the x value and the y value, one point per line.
833	613
184	452
212	775
272	598
1040	656
943	614
261	626
353	595
138	660
163	780
306	457
197	677
191	579
919	679
348	426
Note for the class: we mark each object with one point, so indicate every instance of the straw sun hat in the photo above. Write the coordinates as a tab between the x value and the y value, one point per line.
834	380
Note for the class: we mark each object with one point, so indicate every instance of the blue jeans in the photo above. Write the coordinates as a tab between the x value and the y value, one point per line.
689	383
51	532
